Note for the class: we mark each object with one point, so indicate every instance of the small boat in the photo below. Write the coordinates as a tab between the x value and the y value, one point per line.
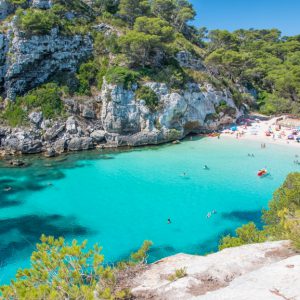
262	172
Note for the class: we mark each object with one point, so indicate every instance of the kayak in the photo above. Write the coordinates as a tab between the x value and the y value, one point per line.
262	173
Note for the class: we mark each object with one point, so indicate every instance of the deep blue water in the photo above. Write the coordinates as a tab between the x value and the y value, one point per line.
120	199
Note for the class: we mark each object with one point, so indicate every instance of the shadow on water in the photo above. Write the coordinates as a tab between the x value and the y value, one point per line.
244	216
22	233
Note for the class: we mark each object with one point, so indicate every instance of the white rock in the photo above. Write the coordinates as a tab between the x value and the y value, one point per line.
242	273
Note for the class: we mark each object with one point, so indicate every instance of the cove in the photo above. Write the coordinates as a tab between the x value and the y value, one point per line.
121	198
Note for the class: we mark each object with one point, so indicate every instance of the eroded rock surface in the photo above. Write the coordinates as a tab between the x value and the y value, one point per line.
116	117
260	271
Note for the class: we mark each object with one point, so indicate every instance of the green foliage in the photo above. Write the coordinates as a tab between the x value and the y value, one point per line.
176	12
17	2
141	255
37	22
68	271
14	114
46	98
283	216
262	60
86	76
138	46
282	219
247	234
149	96
179	273
122	76
131	9
155	26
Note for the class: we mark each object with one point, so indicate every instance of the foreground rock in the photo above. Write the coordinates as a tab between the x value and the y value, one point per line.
261	271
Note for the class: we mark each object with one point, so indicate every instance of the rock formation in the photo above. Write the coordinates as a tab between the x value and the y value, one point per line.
117	118
267	271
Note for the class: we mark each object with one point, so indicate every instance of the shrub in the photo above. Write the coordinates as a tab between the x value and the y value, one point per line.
122	76
282	219
247	234
179	273
14	114
68	271
86	76
37	22
150	97
46	98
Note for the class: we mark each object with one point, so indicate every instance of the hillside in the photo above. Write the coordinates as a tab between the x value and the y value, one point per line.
75	75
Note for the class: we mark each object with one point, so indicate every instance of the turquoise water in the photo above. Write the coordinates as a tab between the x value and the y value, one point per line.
120	199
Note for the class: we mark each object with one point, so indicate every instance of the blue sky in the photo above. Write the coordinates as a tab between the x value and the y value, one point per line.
235	14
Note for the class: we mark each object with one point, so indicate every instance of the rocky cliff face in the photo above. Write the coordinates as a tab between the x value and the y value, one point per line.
31	61
268	271
116	117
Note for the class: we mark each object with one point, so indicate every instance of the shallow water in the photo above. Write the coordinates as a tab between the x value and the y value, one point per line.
120	199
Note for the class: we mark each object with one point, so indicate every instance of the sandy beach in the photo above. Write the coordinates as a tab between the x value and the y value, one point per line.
257	132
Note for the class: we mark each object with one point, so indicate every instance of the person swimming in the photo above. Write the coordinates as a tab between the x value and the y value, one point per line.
7	189
206	167
169	221
208	215
214	212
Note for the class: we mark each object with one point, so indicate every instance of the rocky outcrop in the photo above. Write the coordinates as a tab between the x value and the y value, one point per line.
31	61
261	271
42	4
116	117
5	9
3	53
187	60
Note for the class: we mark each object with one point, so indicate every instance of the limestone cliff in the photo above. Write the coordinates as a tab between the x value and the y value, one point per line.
116	117
267	271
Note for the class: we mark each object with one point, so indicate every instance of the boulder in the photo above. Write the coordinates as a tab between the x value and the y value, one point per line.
60	146
98	136
29	146
53	132
80	143
71	125
36	118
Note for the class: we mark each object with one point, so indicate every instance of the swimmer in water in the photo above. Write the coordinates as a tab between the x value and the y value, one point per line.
7	189
206	167
169	221
214	212
208	215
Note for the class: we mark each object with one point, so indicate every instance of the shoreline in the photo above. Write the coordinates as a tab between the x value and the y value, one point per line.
260	136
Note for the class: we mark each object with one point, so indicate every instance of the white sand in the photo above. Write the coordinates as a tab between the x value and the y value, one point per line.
261	128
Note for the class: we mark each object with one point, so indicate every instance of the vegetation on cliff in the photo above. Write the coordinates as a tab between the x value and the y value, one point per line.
140	40
282	219
69	271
